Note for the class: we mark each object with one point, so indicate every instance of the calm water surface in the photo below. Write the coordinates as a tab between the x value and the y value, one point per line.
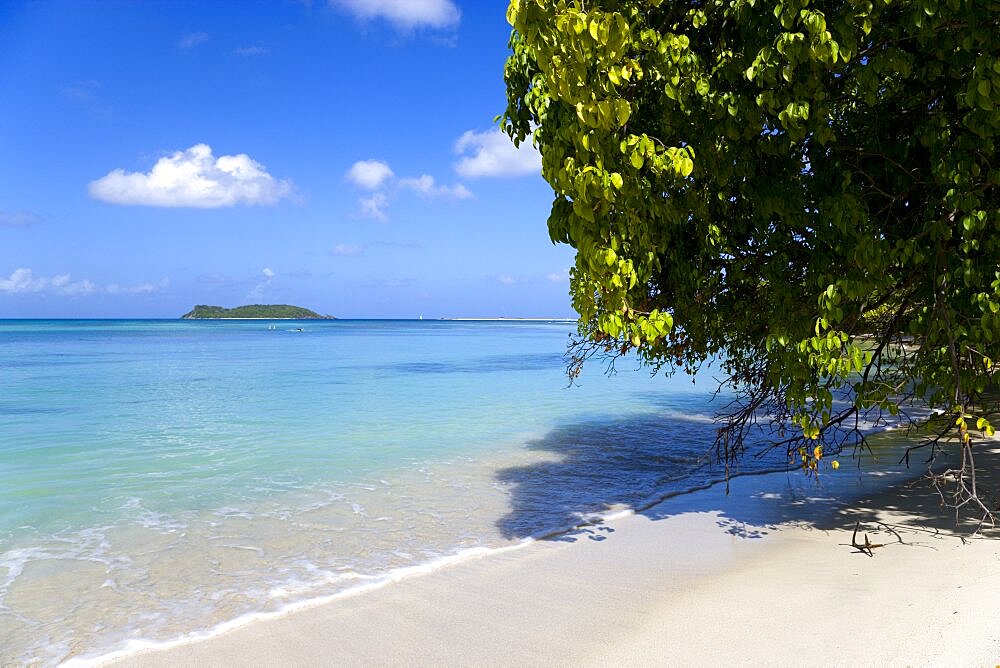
159	478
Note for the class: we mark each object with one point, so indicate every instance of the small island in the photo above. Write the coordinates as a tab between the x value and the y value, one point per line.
254	312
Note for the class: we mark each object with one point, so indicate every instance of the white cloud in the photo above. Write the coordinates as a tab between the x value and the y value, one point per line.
23	281
84	287
557	277
506	280
369	174
347	250
425	185
378	177
250	51
404	14
141	289
492	153
18	219
374	207
257	292
192	39
193	178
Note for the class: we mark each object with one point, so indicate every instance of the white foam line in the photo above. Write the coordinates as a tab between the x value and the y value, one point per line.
137	646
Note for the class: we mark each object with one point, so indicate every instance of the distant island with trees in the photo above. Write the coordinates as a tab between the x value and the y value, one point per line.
254	311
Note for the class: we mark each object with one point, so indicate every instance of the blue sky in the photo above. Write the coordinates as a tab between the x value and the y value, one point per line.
338	155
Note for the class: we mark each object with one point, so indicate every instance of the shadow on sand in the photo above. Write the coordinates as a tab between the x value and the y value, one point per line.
647	463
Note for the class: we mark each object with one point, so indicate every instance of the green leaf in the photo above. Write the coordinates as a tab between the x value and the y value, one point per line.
623	110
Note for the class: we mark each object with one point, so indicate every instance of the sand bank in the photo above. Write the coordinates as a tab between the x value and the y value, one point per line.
765	576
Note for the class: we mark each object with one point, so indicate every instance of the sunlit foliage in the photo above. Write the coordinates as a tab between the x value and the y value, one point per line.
808	192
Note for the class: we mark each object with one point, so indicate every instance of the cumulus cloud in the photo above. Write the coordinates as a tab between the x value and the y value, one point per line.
268	272
404	14
506	279
378	177
18	219
192	39
426	186
193	178
347	250
369	174
24	281
492	153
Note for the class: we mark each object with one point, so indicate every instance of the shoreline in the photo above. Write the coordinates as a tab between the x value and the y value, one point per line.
678	559
137	647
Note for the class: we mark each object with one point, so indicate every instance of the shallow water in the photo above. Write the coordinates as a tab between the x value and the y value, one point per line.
159	478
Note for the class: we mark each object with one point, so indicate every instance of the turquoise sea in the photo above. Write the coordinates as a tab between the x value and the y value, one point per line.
160	479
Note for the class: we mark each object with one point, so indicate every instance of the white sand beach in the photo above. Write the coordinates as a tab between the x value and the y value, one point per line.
763	576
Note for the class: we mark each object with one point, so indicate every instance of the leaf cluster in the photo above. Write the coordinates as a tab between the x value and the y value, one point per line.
806	190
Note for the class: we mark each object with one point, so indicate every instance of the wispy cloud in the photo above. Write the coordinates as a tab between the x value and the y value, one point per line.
193	178
257	293
251	51
404	14
87	93
24	281
374	207
192	39
555	277
19	219
347	250
492	153
401	245
532	279
426	186
214	278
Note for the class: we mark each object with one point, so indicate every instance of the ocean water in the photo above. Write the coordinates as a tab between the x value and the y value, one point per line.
160	479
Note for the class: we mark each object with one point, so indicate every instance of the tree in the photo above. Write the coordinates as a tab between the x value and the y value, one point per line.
806	191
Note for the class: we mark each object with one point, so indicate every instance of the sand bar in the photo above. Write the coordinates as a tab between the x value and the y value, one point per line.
763	576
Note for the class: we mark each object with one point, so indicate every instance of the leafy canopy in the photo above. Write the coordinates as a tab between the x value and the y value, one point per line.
805	190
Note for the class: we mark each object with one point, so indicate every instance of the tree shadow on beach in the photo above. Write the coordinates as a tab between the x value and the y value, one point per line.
661	465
